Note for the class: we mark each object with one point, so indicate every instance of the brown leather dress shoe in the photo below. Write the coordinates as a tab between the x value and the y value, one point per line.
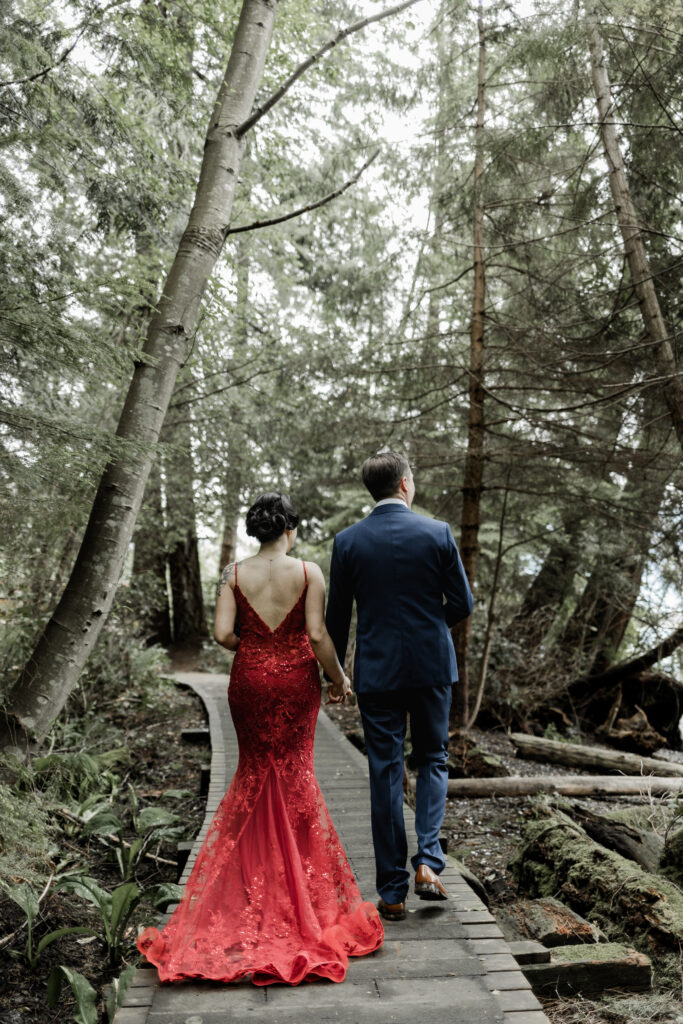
391	911
427	884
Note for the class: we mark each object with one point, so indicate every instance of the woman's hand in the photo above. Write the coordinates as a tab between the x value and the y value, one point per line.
338	692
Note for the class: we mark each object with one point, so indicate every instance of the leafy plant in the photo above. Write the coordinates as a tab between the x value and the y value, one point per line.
114	909
75	775
24	895
163	894
118	990
31	839
84	994
151	825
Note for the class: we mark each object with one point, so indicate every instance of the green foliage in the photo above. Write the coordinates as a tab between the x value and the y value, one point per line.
118	990
30	844
113	908
152	824
25	896
73	776
83	992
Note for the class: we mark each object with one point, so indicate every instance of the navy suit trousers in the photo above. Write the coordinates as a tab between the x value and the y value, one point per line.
384	723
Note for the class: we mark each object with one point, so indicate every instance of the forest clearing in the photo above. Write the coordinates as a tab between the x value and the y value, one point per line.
246	244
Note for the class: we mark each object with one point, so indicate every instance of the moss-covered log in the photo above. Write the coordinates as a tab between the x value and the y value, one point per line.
558	858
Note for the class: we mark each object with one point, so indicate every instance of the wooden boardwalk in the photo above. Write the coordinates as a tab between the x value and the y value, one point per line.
447	963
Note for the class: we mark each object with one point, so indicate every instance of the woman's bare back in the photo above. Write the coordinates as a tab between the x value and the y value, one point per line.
272	585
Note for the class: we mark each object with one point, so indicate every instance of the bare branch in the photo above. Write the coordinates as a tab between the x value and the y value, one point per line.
304	209
343	33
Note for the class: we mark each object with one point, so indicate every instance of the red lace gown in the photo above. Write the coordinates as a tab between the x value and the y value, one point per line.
271	894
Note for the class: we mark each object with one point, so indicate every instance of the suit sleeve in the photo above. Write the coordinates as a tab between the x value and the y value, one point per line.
456	588
339	604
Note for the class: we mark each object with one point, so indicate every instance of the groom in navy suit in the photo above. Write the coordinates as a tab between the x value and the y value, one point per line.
405	574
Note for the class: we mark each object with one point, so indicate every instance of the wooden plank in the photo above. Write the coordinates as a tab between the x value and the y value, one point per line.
518	999
530	952
592	973
427	970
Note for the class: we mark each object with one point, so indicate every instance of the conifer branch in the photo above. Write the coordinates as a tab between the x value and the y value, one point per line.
343	33
304	209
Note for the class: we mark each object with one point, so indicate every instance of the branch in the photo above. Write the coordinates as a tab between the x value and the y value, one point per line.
635	665
313	59
46	70
304	209
65	54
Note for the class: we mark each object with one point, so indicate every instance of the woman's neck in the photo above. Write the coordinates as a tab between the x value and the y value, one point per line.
273	548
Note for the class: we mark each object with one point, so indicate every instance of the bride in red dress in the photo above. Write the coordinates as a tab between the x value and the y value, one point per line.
271	894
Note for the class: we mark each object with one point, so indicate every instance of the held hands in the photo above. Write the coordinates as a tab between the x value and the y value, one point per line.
337	693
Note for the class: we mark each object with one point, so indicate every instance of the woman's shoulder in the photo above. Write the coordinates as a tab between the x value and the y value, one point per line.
227	577
313	570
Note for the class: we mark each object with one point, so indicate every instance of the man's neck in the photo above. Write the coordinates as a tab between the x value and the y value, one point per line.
395	499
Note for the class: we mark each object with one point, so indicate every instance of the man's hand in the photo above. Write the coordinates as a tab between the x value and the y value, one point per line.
338	692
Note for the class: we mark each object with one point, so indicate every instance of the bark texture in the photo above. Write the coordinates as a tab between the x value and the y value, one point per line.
55	665
578	755
149	589
474	461
632	234
558	858
189	620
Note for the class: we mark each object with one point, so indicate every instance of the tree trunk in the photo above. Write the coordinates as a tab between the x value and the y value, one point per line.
634	666
53	668
550	586
557	858
596	628
579	755
644	847
474	461
150	592
568	785
189	620
641	275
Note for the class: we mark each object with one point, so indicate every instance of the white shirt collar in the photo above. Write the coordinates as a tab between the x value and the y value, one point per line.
391	501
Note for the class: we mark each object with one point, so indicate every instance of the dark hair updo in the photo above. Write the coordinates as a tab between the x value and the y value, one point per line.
270	516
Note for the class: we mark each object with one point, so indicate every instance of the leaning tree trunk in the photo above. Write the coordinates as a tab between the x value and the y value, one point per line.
53	668
641	275
596	628
549	588
474	460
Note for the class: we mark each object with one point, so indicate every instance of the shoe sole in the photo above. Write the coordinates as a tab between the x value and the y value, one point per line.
429	891
391	915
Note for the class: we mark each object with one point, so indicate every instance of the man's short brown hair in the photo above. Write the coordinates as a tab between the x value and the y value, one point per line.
382	474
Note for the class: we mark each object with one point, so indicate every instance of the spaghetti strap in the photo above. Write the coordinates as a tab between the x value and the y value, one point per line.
305	573
235	567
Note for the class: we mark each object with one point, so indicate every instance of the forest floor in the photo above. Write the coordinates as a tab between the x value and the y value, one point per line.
484	834
164	772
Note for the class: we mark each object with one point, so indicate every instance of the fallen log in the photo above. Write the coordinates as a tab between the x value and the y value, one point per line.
567	785
636	665
548	921
644	847
558	858
576	755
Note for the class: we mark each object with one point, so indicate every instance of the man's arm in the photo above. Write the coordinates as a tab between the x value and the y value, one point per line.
459	600
339	604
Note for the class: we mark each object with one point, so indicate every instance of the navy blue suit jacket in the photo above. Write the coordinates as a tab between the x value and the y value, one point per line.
399	567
